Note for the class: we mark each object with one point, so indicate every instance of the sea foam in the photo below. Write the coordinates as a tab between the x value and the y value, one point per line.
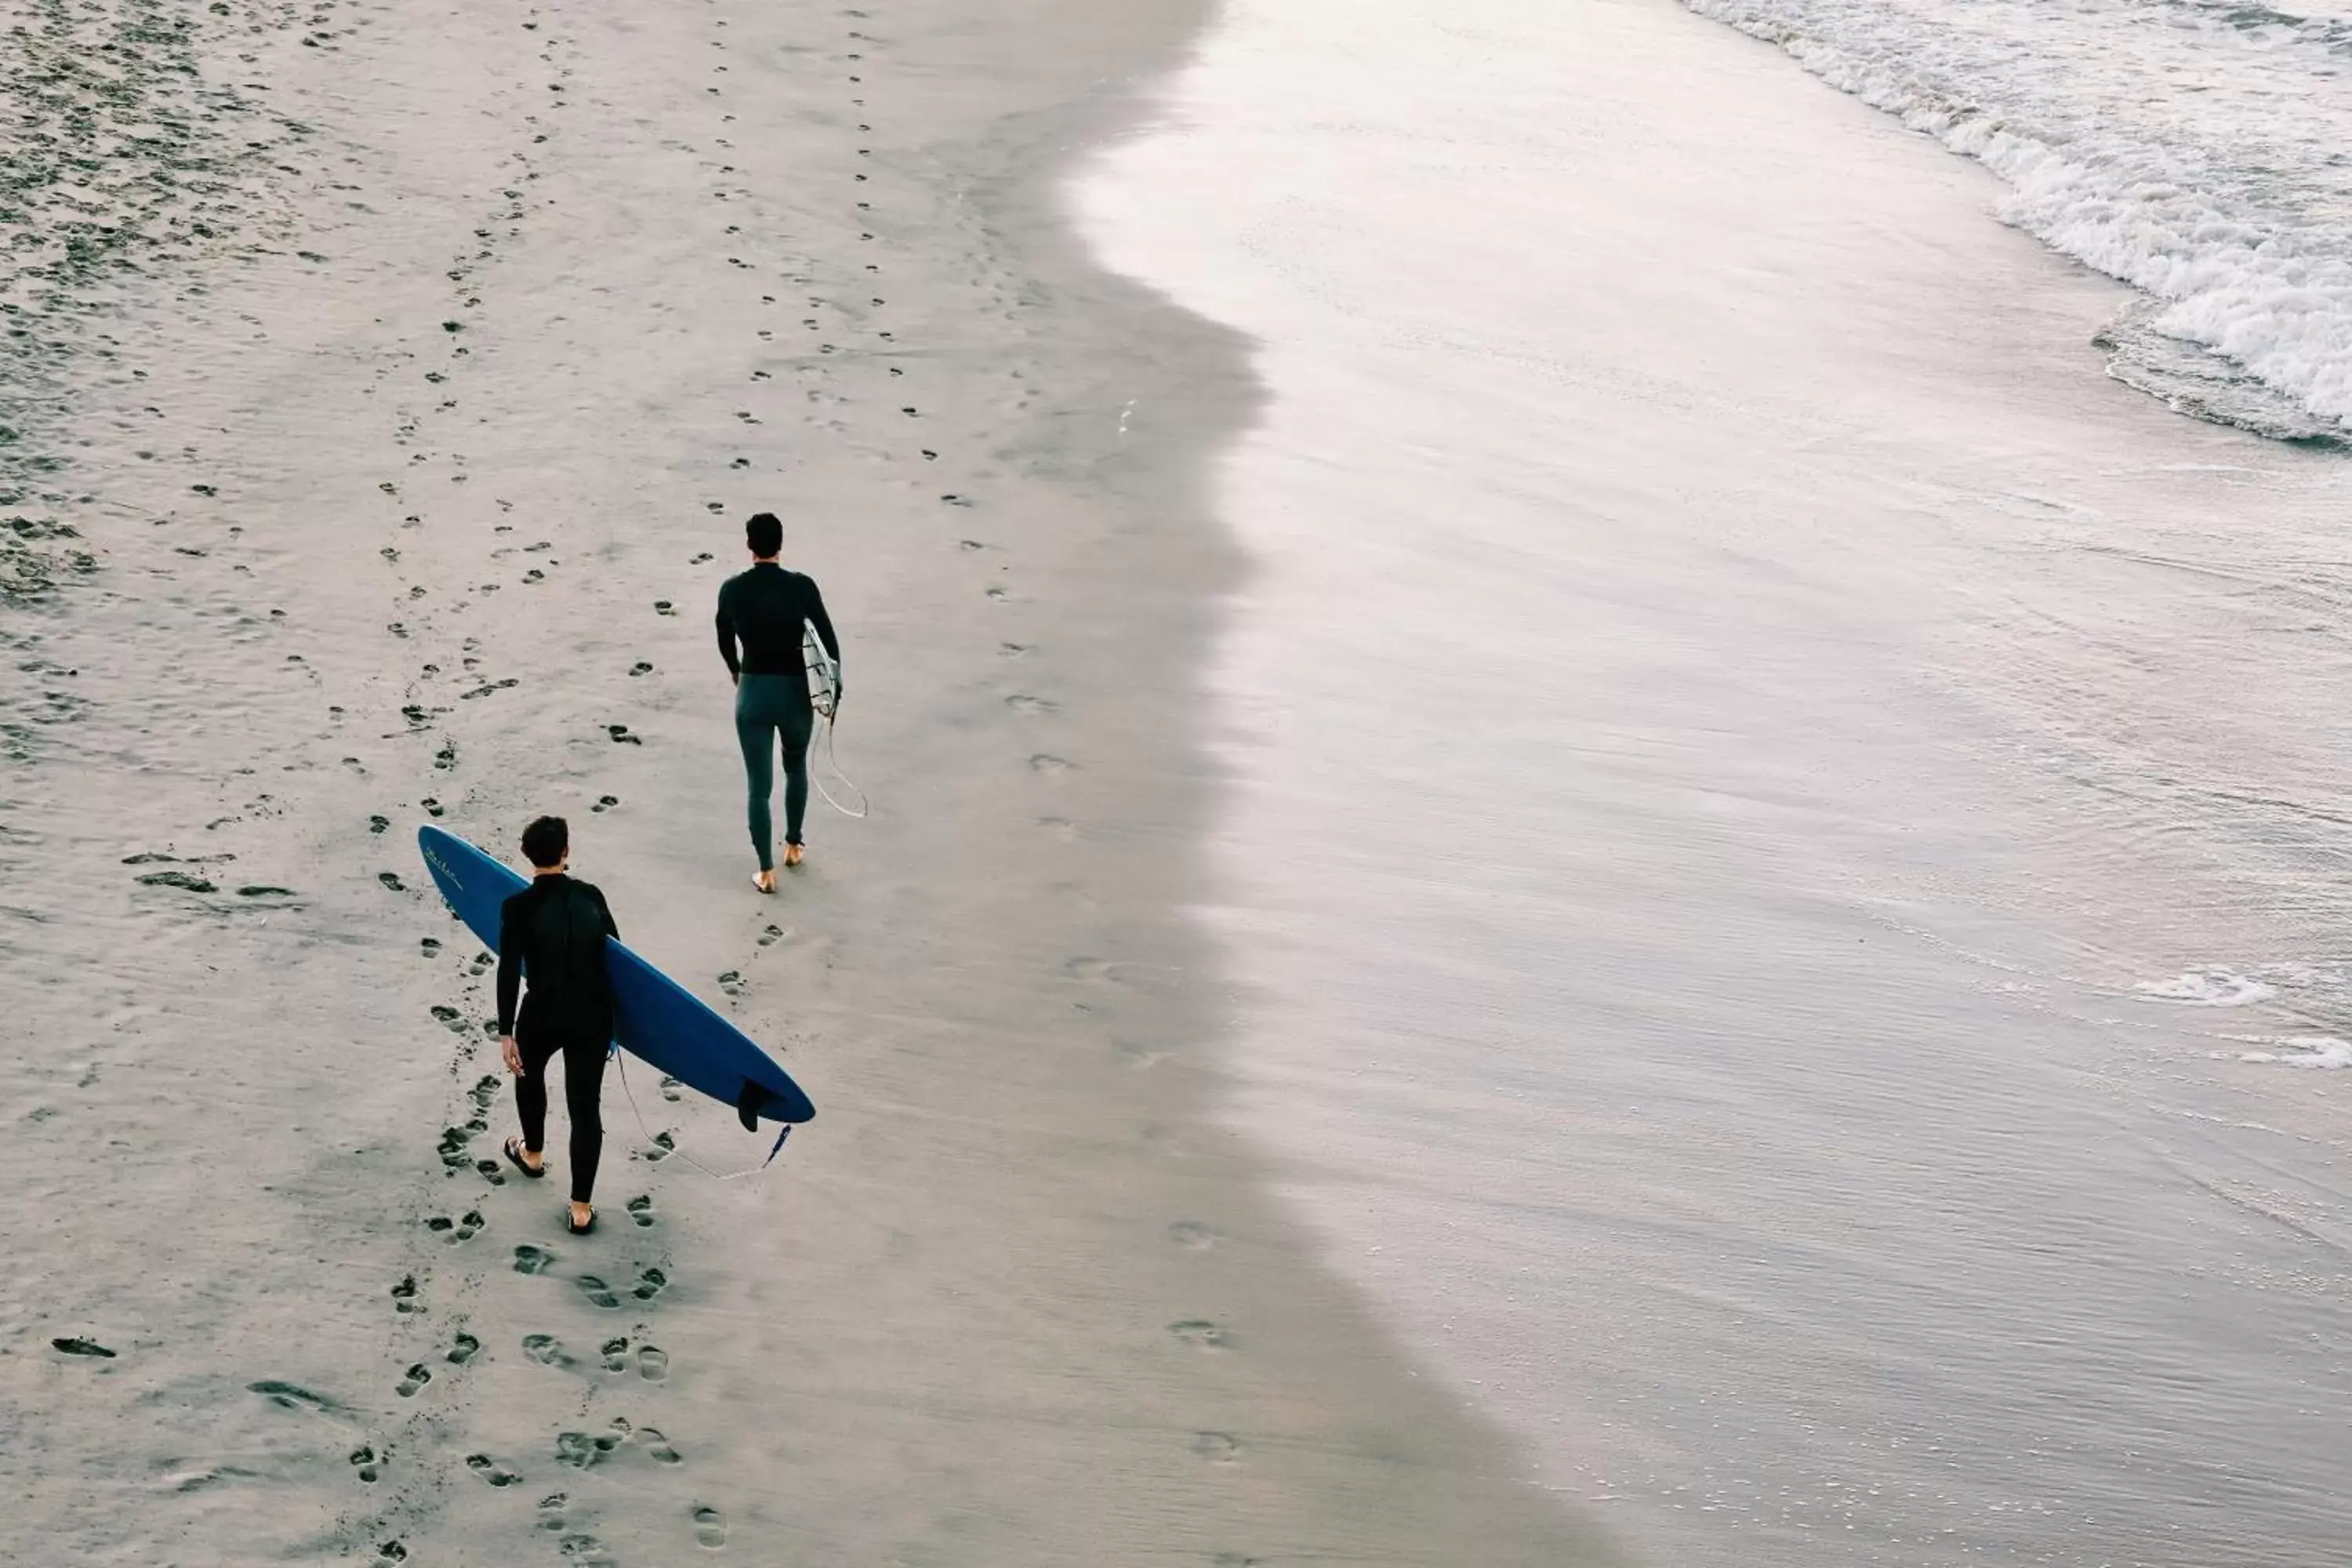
2194	152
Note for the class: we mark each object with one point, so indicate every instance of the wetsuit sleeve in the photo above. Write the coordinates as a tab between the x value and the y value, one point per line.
727	638
509	966
606	910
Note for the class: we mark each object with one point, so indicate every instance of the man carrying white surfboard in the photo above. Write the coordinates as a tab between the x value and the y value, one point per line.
552	935
771	611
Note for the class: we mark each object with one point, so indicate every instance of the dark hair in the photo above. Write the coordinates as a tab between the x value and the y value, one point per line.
545	841
764	533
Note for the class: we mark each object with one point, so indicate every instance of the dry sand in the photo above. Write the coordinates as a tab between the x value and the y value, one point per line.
419	509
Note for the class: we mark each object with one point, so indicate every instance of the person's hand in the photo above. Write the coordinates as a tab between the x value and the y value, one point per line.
512	1056
737	677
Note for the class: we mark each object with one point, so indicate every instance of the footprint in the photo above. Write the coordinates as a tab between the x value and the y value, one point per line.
490	1470
388	1553
419	1374
641	1209
1202	1332
180	880
1217	1448
621	735
550	1511
464	1349
292	1397
641	668
670	1086
77	1346
1192	1232
606	803
731	983
617	1354
364	1459
658	1446
580	1450
378	824
772	935
490	1173
531	1259
664	1142
653	1363
650	1284
391	880
430	945
599	1294
545	1349
449	1019
403	1295
710	1527
1046	762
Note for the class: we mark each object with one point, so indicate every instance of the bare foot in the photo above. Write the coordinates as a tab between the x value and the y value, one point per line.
764	881
792	853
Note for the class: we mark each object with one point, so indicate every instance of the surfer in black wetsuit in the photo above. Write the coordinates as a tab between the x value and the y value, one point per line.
766	609
552	932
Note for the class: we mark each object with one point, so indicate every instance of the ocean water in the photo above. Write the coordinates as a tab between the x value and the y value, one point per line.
2195	148
1783	840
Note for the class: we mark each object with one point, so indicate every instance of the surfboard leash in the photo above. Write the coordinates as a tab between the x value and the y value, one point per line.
621	1067
834	762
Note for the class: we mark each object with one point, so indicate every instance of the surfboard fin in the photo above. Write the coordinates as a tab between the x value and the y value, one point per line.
747	1105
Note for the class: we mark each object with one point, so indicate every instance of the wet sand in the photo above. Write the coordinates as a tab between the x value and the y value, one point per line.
416	511
1784	834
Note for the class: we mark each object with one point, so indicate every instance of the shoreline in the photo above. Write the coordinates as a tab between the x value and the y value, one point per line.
1016	1296
1862	798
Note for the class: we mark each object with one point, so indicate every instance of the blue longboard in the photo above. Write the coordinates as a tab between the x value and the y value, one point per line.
658	1019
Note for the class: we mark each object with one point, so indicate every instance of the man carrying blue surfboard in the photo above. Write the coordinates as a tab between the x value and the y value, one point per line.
552	935
772	613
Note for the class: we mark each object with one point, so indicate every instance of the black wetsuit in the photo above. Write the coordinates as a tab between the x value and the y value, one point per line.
553	934
765	608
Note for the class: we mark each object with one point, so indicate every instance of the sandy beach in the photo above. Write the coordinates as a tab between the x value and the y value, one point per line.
409	505
1596	837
